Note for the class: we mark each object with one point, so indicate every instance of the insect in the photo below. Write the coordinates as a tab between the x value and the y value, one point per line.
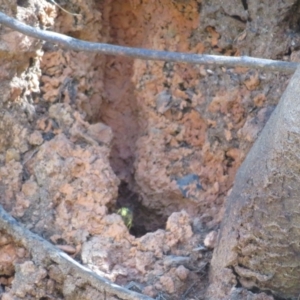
127	216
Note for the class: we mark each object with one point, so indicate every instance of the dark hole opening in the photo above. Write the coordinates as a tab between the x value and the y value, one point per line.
245	4
144	219
23	3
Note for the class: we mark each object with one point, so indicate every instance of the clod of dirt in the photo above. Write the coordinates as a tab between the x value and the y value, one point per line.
211	240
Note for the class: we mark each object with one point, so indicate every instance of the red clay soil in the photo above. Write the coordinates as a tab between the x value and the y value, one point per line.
90	134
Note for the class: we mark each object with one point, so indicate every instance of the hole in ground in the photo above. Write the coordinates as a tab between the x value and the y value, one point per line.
144	219
23	3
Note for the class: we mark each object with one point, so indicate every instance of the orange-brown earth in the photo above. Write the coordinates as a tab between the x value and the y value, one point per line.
83	135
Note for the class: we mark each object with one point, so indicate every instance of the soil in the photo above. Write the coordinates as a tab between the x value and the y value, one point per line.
83	136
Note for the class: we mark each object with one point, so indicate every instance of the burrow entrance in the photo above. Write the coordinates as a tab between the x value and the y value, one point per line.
144	219
120	111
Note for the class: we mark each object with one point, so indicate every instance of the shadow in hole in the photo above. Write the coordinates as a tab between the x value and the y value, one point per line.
144	219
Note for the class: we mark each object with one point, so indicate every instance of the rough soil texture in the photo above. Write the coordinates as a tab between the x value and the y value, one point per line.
83	135
259	230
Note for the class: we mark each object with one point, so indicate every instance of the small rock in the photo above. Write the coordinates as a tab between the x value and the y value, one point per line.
153	242
197	225
252	81
163	102
36	138
101	133
7	296
4	240
67	248
12	154
149	291
167	283
158	286
30	188
211	239
134	286
21	252
50	286
182	273
187	184
174	261
3	282
143	260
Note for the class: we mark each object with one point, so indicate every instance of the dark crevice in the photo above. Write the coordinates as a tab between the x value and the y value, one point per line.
229	161
181	86
238	18
245	4
254	290
292	18
25	175
144	219
289	52
199	7
23	3
238	285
